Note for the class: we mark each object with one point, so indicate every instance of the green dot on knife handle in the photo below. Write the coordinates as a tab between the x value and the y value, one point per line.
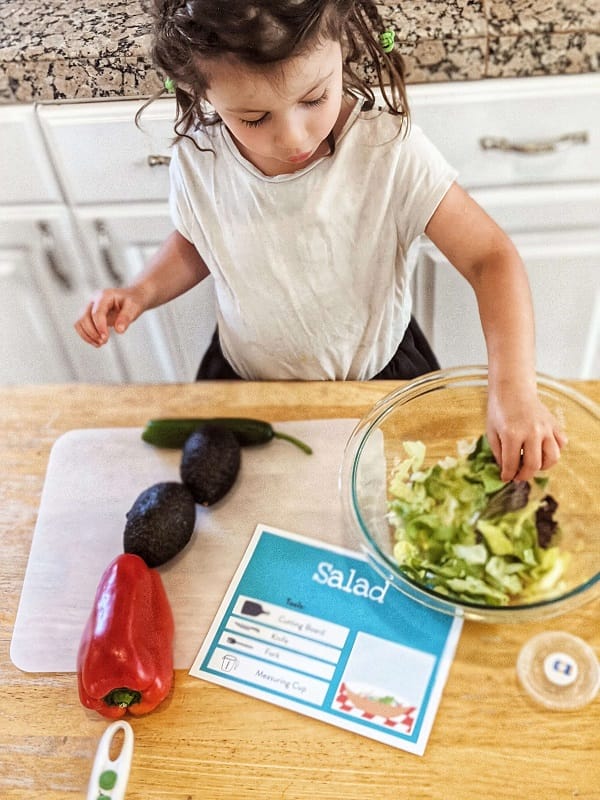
108	779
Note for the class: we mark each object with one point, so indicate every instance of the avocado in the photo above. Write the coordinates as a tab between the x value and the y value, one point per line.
210	462
160	523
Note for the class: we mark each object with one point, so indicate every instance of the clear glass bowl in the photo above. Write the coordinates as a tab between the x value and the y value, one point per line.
440	409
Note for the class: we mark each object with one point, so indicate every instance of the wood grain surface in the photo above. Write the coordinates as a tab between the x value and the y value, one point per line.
488	741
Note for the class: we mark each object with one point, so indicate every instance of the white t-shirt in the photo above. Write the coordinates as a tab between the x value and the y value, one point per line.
311	269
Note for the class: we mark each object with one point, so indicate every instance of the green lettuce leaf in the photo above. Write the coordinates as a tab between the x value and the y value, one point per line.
463	532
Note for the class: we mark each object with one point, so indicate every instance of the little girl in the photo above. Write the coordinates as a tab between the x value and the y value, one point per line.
302	200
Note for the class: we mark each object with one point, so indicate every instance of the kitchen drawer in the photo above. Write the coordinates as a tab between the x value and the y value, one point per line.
102	156
477	126
548	207
25	175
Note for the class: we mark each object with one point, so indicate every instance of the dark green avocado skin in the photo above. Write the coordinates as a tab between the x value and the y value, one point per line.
160	523
210	462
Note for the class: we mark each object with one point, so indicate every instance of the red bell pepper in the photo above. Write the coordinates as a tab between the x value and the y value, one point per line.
125	658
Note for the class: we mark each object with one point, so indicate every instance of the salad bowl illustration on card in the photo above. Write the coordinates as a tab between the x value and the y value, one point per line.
375	705
374	690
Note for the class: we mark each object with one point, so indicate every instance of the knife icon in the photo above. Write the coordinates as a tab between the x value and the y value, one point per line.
245	627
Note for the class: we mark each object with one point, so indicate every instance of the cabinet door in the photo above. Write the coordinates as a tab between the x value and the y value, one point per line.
25	173
164	344
564	274
103	156
514	131
41	293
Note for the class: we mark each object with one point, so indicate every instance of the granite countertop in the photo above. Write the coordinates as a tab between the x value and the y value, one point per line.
52	50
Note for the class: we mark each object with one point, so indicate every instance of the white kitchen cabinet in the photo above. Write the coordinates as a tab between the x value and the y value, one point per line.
42	275
115	179
102	156
528	150
563	275
25	171
164	344
44	284
31	345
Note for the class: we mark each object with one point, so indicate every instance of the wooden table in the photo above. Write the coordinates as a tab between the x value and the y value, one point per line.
206	742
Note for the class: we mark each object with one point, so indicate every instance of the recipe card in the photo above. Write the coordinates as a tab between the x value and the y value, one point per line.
314	628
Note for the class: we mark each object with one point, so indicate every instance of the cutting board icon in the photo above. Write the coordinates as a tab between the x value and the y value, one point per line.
252	609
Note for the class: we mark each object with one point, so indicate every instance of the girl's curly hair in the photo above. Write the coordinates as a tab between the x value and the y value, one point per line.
188	34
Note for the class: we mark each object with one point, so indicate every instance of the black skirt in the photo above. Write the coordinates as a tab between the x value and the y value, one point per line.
413	357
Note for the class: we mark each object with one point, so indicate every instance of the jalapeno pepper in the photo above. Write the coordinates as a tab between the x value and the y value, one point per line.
173	432
125	658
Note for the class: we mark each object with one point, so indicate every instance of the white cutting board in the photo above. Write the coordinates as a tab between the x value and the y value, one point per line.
93	478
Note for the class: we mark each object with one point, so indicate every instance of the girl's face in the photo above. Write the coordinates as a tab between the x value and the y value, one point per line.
281	117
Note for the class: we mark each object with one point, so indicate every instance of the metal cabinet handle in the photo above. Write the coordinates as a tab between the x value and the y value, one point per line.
159	161
106	253
49	248
534	147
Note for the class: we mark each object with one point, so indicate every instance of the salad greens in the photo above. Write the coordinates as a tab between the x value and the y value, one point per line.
463	532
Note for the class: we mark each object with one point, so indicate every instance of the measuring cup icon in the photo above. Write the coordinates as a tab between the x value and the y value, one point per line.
229	663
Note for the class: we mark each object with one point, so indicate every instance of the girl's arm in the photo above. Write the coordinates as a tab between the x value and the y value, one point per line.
175	268
523	435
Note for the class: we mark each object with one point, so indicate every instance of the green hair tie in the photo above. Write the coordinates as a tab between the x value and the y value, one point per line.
386	40
170	85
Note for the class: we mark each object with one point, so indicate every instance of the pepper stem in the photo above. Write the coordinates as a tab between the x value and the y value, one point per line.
302	445
122	697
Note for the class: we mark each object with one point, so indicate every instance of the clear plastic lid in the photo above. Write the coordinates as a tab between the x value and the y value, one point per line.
559	671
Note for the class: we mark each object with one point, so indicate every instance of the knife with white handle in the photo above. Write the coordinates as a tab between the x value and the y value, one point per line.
109	776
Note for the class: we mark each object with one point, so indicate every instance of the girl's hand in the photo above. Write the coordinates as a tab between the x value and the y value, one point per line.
111	308
523	434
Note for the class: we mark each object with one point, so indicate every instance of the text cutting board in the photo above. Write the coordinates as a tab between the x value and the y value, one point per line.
93	478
